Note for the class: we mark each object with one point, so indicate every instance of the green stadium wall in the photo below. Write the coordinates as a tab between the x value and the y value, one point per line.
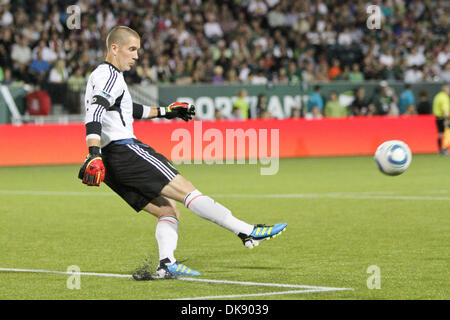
280	98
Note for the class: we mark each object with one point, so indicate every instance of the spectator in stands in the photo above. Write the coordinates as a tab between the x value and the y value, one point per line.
58	74
180	76
21	57
415	57
315	103
344	75
293	74
75	85
162	70
360	105
424	105
282	77
231	77
265	114
387	59
218	115
241	103
276	18
407	100
47	53
445	73
261	105
6	43
443	56
39	68
333	108
212	29
355	75
335	69
385	100
257	8
345	38
295	113
259	77
410	110
217	78
413	47
307	74
145	72
236	114
6	77
413	74
6	17
322	71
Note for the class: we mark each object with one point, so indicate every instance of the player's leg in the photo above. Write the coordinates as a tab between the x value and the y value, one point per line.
138	179
167	237
166	232
182	190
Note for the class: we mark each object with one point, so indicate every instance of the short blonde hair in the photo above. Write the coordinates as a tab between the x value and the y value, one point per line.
119	35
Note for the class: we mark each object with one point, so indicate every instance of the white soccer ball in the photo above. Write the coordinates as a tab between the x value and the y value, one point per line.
393	157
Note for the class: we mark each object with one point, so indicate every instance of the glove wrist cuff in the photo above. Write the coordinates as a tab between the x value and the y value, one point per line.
94	151
162	112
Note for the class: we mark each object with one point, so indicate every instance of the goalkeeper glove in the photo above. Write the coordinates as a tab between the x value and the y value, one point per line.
92	172
181	110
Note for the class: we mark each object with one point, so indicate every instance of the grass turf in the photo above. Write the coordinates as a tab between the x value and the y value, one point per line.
343	216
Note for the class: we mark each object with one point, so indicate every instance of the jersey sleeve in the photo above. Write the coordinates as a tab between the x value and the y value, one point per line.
104	90
140	111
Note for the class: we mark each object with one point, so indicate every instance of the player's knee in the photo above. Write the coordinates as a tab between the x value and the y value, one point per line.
169	210
165	211
175	213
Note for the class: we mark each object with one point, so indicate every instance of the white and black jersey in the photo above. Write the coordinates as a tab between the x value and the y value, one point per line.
134	170
110	110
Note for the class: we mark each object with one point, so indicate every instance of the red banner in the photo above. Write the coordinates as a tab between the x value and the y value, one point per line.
203	140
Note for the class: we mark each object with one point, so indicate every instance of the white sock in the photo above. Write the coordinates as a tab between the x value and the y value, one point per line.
208	209
167	236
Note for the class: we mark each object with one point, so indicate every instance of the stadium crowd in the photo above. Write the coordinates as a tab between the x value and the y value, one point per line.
234	41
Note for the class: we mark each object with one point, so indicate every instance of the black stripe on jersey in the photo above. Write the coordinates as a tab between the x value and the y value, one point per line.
111	80
98	114
116	107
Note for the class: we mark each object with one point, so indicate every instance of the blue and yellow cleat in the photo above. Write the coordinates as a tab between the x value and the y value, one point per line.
174	270
260	233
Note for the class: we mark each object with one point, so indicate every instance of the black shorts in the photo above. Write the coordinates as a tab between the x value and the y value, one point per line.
135	171
440	122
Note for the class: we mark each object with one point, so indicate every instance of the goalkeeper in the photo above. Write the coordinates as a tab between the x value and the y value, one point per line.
145	179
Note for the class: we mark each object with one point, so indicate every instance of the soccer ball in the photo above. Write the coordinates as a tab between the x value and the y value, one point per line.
393	157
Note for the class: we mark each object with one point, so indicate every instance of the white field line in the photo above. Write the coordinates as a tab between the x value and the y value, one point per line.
330	195
55	193
340	196
233	296
261	284
306	289
111	275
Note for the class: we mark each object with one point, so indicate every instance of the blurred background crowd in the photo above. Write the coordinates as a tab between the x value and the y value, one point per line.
229	42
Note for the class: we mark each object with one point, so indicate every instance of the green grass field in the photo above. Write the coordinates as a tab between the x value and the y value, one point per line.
342	214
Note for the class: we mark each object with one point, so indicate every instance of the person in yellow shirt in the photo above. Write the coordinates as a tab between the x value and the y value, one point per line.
441	110
241	103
